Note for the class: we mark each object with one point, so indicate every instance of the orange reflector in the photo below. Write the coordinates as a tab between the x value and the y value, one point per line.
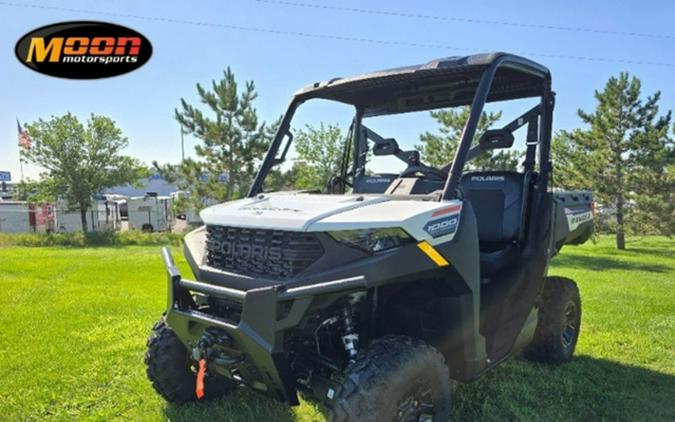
433	253
200	378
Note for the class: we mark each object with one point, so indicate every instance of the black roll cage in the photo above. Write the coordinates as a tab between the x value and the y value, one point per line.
481	95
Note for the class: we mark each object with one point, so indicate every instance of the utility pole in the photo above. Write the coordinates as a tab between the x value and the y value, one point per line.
182	144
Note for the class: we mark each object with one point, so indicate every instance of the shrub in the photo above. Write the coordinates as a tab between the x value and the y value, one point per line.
79	239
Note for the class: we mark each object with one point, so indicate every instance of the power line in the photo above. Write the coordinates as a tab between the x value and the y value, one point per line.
326	36
464	20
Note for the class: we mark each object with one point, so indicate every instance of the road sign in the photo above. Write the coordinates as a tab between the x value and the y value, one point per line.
5	176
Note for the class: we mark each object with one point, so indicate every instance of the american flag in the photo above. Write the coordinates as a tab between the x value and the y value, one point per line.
24	140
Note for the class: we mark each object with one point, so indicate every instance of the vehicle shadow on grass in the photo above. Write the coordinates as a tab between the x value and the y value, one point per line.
600	263
660	252
584	389
242	406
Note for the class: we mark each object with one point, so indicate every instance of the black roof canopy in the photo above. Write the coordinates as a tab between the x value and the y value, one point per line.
446	82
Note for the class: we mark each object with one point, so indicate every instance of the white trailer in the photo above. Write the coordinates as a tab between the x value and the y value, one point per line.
108	215
121	201
103	215
68	219
22	217
150	213
15	217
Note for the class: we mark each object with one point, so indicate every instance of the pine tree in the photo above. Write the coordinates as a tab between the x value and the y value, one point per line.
232	142
625	156
438	150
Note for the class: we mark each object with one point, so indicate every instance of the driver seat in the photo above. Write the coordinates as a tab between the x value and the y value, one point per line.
500	202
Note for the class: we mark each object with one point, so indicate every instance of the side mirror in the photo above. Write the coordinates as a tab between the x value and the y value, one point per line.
496	138
386	147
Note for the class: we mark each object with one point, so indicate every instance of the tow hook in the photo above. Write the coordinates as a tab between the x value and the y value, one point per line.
204	350
199	390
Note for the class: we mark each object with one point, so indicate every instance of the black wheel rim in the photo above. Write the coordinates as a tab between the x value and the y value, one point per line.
416	406
569	329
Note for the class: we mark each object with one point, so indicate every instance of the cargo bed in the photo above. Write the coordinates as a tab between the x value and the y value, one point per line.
572	218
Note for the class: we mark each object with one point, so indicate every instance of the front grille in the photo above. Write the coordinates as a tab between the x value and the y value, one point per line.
258	252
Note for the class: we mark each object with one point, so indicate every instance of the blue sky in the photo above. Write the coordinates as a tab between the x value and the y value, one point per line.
143	101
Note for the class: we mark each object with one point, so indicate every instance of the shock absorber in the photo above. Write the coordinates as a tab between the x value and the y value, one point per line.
350	339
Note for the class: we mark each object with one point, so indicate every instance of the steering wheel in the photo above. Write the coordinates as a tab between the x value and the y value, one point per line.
430	172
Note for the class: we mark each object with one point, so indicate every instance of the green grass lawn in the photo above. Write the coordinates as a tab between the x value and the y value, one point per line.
73	324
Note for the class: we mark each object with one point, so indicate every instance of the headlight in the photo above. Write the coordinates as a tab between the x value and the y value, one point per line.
373	240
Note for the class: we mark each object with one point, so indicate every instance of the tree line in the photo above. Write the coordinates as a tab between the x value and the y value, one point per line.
623	153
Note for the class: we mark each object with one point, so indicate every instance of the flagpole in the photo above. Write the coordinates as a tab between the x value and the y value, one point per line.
19	145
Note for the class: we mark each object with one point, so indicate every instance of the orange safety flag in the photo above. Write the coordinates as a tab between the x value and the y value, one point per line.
200	378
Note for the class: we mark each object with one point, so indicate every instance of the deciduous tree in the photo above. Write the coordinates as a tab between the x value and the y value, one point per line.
319	154
80	161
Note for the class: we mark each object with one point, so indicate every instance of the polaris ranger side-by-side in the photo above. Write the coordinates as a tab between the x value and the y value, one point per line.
371	296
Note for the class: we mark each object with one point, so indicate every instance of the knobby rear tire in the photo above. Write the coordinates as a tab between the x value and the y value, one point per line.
559	322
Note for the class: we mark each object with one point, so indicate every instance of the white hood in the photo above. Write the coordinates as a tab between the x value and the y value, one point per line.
312	212
284	210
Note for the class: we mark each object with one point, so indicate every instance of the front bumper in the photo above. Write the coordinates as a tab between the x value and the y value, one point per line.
257	337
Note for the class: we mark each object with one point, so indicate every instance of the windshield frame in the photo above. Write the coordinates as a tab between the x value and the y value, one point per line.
457	164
